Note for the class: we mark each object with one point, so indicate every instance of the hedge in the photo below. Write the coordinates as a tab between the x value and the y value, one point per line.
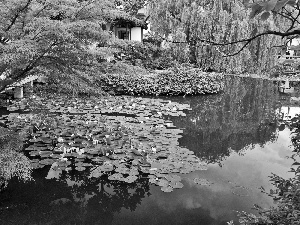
171	82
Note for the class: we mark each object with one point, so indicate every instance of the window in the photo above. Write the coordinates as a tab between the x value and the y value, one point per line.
123	35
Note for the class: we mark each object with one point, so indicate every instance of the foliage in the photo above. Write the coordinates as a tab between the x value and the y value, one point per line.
81	84
203	31
147	55
131	6
52	37
268	7
177	81
121	147
152	38
12	162
120	67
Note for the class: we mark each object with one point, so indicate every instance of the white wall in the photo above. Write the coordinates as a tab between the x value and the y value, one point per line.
136	34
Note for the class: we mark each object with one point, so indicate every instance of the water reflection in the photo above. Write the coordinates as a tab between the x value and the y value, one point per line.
74	199
236	132
243	115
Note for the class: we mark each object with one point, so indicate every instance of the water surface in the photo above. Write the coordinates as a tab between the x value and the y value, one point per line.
237	132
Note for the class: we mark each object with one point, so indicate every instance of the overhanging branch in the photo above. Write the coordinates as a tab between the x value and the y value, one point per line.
246	41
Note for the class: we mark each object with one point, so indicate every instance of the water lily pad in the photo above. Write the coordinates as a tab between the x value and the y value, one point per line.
136	152
116	176
153	180
162	182
98	159
200	166
63	163
80	168
96	172
107	167
201	181
186	170
144	163
47	161
36	165
122	170
45	154
130	179
176	184
34	153
86	164
167	189
172	177
133	172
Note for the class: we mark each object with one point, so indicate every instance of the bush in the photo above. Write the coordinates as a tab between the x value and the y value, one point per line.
147	55
12	161
180	81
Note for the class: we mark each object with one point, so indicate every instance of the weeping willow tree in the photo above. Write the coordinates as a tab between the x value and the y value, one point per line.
186	23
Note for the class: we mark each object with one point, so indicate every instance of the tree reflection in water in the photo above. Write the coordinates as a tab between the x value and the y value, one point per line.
242	116
73	199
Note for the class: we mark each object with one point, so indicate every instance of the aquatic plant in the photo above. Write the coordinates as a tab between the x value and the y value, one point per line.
171	82
122	138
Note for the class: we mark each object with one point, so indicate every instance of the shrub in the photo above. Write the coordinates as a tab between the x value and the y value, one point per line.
181	81
146	54
12	161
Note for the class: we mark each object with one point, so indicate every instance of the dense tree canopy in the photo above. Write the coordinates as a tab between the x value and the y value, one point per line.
52	37
206	31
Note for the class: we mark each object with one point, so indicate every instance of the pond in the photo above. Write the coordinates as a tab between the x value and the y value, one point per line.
237	133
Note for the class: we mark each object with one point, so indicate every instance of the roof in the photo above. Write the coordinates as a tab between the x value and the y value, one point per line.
133	21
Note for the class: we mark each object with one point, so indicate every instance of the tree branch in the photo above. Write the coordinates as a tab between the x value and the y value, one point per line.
246	41
174	16
13	21
32	64
269	32
84	6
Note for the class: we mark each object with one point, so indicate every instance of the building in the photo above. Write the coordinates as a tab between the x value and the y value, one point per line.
130	28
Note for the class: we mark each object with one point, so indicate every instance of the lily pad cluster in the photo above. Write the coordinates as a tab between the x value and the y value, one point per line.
122	138
171	82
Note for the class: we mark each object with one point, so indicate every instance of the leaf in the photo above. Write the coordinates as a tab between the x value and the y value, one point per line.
265	16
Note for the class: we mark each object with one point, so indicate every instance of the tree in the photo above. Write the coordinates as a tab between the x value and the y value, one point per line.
211	30
131	6
52	37
278	9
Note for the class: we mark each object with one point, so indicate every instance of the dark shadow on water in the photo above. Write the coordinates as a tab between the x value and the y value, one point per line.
73	199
